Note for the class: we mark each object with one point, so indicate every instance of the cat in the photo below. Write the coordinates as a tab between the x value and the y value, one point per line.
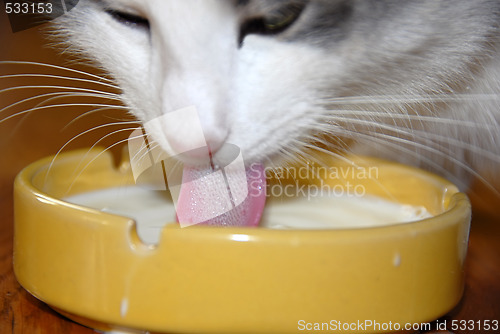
413	81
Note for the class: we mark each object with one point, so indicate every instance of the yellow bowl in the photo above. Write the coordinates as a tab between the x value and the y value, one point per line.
92	267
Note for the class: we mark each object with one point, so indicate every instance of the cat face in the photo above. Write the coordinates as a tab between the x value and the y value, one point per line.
270	76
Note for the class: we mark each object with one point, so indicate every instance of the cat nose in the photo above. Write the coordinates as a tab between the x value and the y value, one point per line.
215	140
195	151
187	137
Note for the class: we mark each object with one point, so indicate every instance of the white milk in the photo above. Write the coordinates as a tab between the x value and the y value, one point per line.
152	210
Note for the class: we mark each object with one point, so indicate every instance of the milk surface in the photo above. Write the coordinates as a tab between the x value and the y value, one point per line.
152	210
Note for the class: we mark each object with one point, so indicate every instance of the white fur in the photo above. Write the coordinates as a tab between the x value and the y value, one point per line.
271	94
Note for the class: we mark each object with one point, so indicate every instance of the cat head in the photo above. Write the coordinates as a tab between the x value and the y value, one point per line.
272	75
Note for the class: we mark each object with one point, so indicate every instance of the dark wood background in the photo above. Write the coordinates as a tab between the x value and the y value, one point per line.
26	139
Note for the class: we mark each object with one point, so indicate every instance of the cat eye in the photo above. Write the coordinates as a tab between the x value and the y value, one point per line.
275	23
272	23
128	19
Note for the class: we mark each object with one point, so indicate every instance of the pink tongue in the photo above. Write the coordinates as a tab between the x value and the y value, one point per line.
227	197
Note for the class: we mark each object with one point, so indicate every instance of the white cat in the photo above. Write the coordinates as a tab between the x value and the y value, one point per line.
412	80
416	81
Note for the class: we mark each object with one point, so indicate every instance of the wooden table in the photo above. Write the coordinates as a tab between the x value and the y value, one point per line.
43	133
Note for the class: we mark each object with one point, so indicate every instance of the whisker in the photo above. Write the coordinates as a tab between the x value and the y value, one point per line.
95	158
84	133
399	116
110	134
321	163
110	106
17	62
290	156
56	95
273	168
10	76
429	135
79	117
55	87
389	140
398	99
145	149
333	154
350	162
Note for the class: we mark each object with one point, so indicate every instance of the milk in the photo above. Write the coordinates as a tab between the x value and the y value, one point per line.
152	210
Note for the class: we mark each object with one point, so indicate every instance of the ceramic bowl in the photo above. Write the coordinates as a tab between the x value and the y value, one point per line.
92	267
